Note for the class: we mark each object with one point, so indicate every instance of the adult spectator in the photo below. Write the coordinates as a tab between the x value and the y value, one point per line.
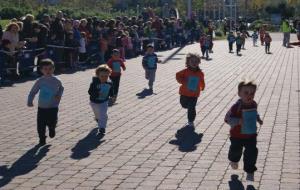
57	29
286	29
27	26
1	31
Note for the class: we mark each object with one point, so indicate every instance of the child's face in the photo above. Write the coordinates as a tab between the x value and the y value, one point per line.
247	94
194	63
47	70
116	55
150	50
103	76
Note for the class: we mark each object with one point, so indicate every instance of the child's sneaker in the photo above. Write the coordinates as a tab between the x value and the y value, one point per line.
250	177
51	132
42	142
191	124
234	165
101	131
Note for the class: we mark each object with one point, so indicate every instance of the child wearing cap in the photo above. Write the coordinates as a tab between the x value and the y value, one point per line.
115	64
150	61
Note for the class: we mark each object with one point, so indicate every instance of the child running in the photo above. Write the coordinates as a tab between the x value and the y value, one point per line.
242	118
100	91
192	83
231	40
50	91
267	41
254	38
149	62
116	63
239	42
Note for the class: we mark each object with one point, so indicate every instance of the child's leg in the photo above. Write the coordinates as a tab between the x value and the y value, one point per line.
103	115
116	83
250	155
151	78
230	47
203	50
41	124
52	121
206	52
190	104
96	110
235	150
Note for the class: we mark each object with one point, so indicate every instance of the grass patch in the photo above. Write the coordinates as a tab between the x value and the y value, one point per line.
3	23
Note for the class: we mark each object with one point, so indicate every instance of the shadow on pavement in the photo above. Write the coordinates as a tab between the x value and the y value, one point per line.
144	93
84	146
187	139
25	164
236	184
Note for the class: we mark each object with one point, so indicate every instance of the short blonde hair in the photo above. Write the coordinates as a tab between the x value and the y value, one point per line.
102	68
246	82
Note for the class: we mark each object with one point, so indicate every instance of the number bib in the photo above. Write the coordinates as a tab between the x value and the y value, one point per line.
151	62
249	121
116	67
193	83
46	95
104	91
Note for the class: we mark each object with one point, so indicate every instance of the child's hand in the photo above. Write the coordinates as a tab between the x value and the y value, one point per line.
57	98
260	121
241	122
30	104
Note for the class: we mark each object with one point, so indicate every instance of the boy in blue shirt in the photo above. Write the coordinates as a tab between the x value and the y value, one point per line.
150	61
231	40
50	91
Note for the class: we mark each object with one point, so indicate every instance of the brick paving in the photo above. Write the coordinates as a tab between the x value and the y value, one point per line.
136	152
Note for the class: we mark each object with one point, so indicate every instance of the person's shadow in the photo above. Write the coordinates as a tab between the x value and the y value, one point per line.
144	93
25	164
236	184
187	139
84	146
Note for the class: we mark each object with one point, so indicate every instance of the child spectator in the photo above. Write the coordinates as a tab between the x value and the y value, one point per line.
205	44
71	51
231	40
50	91
192	83
254	38
150	61
242	118
103	48
116	63
238	41
262	32
100	91
82	48
243	36
267	41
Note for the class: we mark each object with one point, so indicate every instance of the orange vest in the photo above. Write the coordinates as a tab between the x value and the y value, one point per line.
192	82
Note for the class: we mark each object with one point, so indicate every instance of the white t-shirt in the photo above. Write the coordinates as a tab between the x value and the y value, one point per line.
82	48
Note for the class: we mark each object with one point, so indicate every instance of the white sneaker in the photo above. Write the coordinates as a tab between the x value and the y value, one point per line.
250	177
234	165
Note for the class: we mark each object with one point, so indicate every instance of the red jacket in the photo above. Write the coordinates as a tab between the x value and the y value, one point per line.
234	115
116	65
192	82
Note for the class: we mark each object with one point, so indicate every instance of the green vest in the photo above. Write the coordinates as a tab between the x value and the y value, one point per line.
285	27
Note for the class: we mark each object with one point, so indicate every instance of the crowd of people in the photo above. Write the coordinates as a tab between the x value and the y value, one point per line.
72	43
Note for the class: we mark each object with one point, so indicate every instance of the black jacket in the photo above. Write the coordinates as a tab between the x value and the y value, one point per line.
100	92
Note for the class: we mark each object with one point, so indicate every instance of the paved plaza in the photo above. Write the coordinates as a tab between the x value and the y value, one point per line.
140	150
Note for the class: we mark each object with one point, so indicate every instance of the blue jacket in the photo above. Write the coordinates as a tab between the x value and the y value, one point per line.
100	92
150	61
